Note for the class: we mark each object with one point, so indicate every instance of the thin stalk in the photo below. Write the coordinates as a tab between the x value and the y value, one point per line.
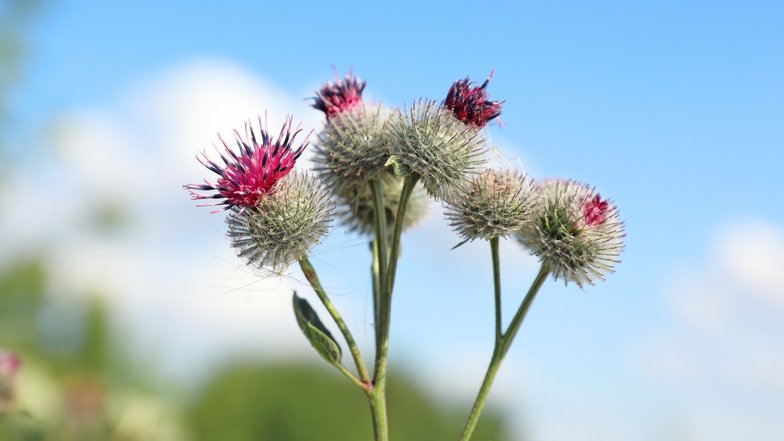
518	318
375	270
405	194
381	253
310	274
379	374
499	351
497	287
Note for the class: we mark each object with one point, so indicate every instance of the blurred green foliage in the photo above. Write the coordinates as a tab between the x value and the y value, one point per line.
285	402
77	385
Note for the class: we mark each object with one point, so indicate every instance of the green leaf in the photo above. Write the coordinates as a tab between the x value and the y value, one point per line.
399	168
315	331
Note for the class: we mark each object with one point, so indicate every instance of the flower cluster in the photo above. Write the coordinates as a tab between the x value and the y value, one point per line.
275	218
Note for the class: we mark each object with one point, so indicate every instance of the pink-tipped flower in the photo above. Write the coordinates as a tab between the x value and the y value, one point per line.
574	232
246	176
9	365
470	104
335	98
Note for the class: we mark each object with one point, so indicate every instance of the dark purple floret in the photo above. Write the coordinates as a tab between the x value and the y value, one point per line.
249	173
470	104
340	96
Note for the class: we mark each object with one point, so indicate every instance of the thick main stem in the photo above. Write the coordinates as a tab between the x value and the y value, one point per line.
377	395
502	344
378	409
310	274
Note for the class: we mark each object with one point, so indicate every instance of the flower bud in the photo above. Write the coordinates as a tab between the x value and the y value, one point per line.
284	225
574	232
495	203
351	150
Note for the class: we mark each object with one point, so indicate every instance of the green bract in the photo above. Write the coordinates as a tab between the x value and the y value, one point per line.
495	203
431	142
284	225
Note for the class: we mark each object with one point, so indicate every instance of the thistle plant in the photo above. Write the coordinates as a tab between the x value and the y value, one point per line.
375	169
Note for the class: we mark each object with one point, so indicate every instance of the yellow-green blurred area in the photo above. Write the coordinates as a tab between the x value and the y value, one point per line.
76	384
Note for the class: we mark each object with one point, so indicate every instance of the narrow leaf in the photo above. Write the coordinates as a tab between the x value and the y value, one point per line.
315	331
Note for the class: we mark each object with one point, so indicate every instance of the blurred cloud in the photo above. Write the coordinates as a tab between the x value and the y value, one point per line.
174	284
722	356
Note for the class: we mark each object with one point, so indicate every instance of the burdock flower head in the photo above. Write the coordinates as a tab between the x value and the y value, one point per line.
430	141
444	144
284	225
470	104
574	232
250	173
351	149
335	98
495	203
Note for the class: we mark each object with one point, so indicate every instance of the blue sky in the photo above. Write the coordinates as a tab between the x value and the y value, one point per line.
672	109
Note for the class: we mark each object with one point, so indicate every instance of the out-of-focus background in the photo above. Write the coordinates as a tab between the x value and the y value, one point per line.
135	321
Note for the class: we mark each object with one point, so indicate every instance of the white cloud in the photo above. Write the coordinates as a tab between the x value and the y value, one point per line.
175	287
722	358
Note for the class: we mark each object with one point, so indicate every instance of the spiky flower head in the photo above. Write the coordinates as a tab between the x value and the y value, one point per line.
352	149
251	172
334	98
495	203
470	103
430	141
574	231
356	209
284	225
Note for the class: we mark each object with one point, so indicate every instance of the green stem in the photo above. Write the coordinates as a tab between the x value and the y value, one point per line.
497	286
310	274
405	194
501	348
378	409
376	276
381	253
517	320
382	348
